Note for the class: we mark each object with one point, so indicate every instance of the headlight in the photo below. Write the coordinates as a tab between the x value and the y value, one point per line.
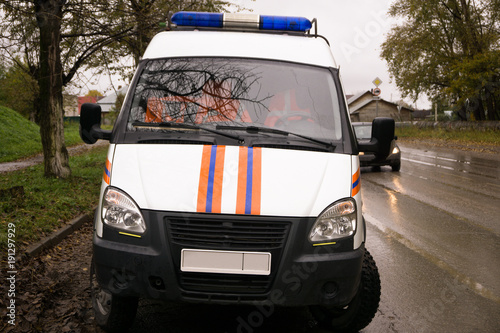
120	211
337	221
395	150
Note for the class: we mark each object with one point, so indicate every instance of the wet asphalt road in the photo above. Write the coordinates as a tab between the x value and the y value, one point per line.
434	231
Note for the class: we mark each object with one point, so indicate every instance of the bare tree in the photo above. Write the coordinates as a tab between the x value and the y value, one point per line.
54	39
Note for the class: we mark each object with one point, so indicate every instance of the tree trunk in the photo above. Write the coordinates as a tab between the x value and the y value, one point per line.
491	94
490	105
479	109
56	160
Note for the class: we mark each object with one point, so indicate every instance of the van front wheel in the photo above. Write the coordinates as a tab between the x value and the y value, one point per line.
112	313
361	310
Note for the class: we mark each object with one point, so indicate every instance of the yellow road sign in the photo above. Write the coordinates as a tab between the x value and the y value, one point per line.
377	82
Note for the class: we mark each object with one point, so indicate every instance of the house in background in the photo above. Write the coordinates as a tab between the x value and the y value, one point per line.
73	104
85	99
364	107
107	103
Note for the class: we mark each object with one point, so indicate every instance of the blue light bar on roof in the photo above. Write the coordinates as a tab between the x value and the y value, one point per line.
195	19
244	21
284	23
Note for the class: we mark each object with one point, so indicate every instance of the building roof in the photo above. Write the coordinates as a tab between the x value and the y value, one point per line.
360	106
352	98
356	109
109	101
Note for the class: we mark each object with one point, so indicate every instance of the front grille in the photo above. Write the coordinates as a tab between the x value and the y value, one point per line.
225	283
226	234
222	298
229	233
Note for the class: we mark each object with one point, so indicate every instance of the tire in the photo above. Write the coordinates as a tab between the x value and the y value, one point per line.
362	308
112	313
396	166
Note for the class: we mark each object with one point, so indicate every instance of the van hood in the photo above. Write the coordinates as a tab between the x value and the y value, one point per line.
230	179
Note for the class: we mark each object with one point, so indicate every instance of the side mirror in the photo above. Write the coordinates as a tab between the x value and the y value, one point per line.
90	124
382	136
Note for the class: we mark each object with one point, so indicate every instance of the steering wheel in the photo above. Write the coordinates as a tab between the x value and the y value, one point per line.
285	119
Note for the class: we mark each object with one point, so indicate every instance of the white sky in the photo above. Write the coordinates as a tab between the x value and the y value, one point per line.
355	30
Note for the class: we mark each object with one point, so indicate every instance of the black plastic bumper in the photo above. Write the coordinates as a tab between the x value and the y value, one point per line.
300	273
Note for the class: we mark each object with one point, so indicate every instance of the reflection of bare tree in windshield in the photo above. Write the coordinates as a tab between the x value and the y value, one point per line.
237	92
197	91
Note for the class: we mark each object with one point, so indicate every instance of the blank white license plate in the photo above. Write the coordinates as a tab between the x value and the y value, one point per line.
226	262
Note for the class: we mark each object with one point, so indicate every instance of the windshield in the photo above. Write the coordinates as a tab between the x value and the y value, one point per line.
217	92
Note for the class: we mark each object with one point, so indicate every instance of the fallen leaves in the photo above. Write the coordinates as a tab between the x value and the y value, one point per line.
53	292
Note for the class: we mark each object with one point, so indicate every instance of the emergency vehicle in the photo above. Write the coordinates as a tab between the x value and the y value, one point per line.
233	176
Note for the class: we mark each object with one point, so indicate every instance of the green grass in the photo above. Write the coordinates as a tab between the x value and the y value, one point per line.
471	136
45	204
21	137
72	134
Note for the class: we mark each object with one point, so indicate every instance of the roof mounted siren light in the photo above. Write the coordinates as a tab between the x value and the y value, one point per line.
242	21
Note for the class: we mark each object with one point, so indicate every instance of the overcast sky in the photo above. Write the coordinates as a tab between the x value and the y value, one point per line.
355	30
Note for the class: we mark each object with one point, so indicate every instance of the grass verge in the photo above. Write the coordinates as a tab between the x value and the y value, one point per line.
21	137
38	205
469	136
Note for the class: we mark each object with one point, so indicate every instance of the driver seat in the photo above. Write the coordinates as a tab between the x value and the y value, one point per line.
284	103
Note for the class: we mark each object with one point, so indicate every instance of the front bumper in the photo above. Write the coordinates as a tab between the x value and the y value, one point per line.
300	273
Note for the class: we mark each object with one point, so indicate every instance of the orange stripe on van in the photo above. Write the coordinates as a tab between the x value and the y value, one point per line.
210	186
256	180
242	181
248	199
107	172
218	179
211	179
356	183
203	184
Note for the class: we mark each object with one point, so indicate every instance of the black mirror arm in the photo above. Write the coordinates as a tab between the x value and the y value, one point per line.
369	147
98	133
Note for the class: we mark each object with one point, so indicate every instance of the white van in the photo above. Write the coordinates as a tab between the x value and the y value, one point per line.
233	176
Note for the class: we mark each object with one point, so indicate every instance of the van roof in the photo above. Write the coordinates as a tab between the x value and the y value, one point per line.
200	43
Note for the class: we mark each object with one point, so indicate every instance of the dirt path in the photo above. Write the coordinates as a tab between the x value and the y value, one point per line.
37	159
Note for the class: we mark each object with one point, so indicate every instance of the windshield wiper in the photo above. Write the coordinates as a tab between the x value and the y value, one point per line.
187	126
257	129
